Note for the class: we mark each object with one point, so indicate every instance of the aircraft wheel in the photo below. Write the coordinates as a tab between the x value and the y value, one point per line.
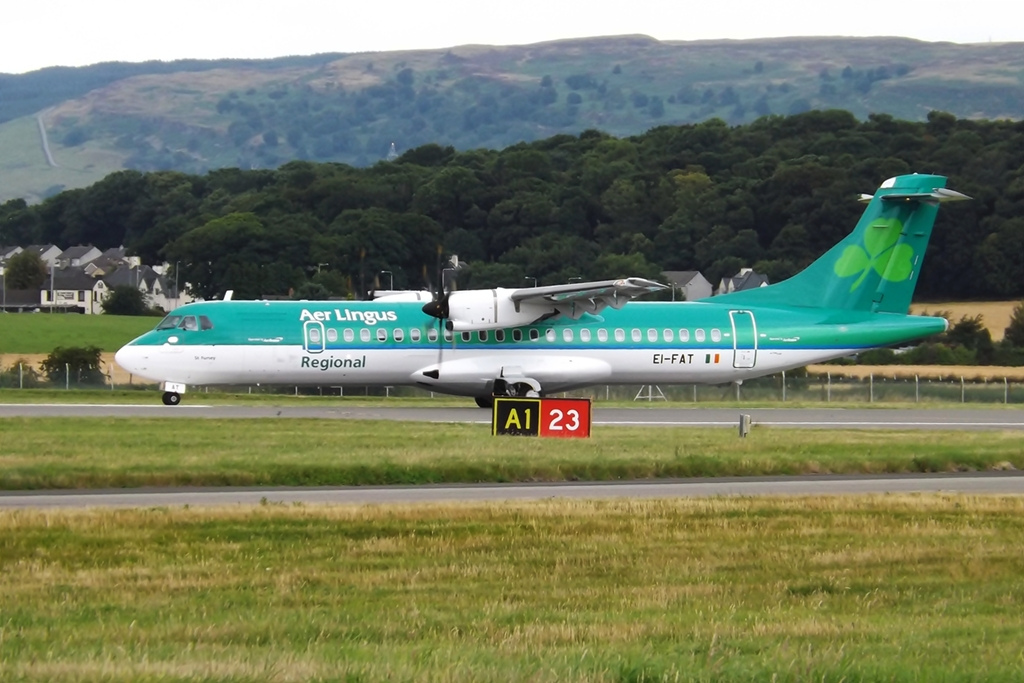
171	399
484	401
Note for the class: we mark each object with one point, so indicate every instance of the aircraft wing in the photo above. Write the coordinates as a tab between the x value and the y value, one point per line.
575	299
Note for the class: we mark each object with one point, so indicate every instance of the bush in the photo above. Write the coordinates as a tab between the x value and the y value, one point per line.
26	376
83	364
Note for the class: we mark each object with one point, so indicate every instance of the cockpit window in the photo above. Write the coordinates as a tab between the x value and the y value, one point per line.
189	323
205	323
169	323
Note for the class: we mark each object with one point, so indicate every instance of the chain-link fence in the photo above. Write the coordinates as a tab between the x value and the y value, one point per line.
780	388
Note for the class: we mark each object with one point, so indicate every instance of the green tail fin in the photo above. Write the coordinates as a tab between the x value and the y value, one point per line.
877	266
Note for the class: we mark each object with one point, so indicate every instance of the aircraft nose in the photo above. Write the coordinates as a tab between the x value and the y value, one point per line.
127	357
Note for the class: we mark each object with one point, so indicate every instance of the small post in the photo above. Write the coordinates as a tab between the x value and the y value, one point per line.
783	386
744	425
871	388
694	393
1006	391
917	389
21	376
67	376
962	389
737	391
828	391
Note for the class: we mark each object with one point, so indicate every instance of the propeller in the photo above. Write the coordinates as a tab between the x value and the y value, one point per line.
438	306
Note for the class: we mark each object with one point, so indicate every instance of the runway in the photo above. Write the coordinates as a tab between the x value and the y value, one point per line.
989	483
805	418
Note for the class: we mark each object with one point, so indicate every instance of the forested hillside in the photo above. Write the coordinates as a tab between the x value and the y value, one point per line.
198	116
773	194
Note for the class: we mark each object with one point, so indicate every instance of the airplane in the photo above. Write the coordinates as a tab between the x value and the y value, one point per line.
484	343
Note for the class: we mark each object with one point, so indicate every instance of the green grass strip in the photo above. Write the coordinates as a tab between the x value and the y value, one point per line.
41	453
900	588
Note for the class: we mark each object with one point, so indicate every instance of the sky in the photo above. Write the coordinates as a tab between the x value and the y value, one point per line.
81	32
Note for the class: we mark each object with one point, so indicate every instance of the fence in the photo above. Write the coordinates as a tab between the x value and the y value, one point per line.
778	388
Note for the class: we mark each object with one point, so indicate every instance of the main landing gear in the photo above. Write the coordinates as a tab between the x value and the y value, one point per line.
171	398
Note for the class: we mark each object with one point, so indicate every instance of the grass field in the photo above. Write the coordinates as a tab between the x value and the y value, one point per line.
41	333
898	588
41	453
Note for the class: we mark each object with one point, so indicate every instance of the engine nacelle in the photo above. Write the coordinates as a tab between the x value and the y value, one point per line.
489	309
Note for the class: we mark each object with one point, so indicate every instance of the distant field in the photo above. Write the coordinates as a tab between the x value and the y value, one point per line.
26	333
995	314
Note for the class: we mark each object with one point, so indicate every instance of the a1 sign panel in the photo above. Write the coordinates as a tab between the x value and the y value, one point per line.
556	417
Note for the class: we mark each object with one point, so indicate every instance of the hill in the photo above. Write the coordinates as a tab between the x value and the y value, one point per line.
195	116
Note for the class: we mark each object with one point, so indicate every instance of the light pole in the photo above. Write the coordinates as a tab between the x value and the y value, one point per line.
177	297
319	266
528	277
391	279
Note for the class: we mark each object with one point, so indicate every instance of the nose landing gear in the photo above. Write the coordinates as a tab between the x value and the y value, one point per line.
171	398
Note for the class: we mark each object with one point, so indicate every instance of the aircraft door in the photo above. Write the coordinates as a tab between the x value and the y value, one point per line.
313	336
744	339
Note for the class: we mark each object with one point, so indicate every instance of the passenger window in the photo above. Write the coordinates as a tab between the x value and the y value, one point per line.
699	335
684	335
348	335
584	335
667	335
716	334
567	334
517	335
482	334
398	334
314	335
414	334
449	335
205	323
550	335
534	335
364	335
332	335
652	335
635	335
602	335
620	335
467	336
499	336
382	334
431	334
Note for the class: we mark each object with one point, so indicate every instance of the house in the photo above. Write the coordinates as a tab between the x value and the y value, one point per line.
72	291
691	284
49	253
5	254
158	289
743	280
110	260
73	257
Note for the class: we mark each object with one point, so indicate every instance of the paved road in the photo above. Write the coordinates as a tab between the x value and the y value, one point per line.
810	485
815	418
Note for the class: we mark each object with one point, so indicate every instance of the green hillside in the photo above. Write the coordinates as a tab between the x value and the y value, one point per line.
351	108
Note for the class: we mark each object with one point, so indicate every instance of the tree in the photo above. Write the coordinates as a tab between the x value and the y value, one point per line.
125	300
1014	334
25	270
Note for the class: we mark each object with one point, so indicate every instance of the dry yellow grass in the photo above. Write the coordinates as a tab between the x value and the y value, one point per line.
995	314
120	375
947	372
